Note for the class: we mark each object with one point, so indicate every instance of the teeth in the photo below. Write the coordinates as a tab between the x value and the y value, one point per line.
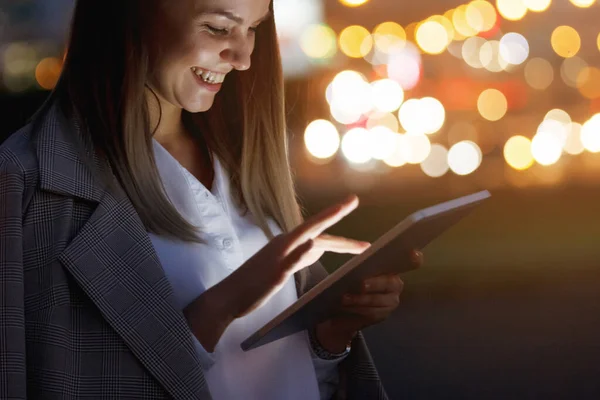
209	76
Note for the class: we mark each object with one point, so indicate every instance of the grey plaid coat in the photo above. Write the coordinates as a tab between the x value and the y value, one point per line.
85	308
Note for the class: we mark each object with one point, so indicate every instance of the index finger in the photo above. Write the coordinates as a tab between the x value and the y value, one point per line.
318	223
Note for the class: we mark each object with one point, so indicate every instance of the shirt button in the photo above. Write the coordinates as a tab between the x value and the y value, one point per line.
227	243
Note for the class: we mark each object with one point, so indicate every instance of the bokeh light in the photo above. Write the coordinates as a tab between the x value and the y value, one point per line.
588	82
436	114
548	143
432	37
471	49
412	116
583	3
512	10
461	25
517	153
387	95
355	41
353	3
388	120
573	144
318	41
492	104
322	139
416	147
397	157
590	134
351	97
481	15
389	35
539	73
565	41
573	71
383	141
537	5
514	48
405	66
464	157
490	58
356	145
436	163
559	115
47	72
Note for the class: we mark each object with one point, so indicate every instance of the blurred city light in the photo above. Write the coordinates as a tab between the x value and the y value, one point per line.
322	139
481	15
412	116
355	41
539	73
356	145
436	163
461	25
583	3
565	41
416	147
382	142
464	157
590	134
389	35
47	72
512	10
388	120
351	97
387	95
517	153
573	144
471	49
514	48
490	57
318	41
573	71
396	158
492	104
559	115
432	37
405	66
588	82
537	5
353	3
436	114
548	143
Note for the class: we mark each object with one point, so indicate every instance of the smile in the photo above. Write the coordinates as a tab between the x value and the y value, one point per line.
209	76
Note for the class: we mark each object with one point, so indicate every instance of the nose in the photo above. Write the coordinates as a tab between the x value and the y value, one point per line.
239	53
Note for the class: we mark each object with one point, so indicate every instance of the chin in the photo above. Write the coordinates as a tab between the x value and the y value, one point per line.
199	106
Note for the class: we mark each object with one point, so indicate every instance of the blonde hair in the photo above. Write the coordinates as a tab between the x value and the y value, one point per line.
103	85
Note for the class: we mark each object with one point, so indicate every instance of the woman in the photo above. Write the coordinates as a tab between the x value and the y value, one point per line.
149	221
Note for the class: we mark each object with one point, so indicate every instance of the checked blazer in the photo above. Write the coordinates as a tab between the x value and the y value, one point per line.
86	310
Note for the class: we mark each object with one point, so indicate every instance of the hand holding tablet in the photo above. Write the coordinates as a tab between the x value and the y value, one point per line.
388	255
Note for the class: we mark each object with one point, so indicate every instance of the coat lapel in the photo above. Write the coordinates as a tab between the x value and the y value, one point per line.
114	262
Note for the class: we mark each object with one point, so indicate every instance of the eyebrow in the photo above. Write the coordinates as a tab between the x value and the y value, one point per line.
234	17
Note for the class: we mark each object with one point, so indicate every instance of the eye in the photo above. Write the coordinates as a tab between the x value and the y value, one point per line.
217	31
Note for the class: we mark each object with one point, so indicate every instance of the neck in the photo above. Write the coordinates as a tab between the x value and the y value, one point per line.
165	119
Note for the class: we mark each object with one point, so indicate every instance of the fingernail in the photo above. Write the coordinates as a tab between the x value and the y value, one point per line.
416	255
367	286
347	298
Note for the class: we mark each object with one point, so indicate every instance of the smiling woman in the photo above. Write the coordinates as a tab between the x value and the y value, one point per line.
149	221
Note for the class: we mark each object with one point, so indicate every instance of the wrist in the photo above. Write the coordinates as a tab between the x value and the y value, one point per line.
208	316
333	338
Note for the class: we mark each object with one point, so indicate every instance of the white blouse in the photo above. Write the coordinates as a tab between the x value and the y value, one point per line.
284	369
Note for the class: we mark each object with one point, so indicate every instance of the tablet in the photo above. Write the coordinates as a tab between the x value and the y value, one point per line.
388	254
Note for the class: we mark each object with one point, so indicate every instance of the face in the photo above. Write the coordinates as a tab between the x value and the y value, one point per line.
199	43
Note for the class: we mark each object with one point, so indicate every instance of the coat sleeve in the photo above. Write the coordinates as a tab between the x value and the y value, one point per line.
13	382
358	377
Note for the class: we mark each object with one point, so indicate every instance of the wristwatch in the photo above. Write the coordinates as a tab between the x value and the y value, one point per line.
322	352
